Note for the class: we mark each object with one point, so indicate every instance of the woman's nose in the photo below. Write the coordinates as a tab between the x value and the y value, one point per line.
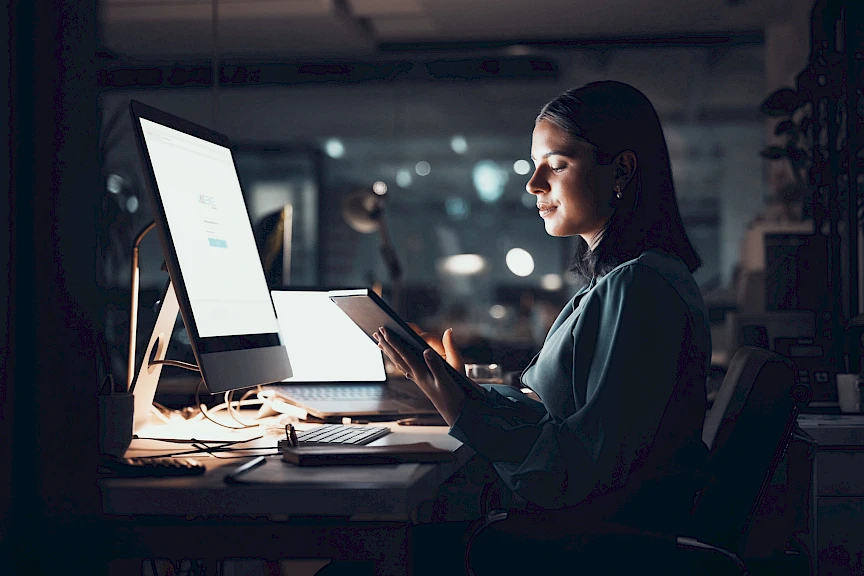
536	185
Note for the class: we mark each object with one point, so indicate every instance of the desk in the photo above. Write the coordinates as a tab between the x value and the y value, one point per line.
345	512
839	491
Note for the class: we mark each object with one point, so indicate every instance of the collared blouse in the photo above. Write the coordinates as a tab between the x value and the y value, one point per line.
621	376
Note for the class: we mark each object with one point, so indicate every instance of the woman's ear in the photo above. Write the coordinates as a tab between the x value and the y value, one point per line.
624	169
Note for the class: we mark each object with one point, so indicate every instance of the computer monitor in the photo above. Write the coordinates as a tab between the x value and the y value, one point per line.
210	252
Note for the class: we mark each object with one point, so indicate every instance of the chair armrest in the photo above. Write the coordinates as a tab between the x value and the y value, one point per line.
475	528
687	543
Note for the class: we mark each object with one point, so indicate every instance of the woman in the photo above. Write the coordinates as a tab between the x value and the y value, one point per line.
621	374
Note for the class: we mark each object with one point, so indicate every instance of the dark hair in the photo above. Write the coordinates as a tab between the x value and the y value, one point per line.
614	117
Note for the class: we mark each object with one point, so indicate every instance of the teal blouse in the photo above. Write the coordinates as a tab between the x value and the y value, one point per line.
621	376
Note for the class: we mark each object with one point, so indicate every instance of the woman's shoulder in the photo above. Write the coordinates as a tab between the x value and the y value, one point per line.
654	275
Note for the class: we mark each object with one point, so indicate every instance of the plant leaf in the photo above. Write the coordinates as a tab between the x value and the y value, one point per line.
795	154
782	102
773	152
784	126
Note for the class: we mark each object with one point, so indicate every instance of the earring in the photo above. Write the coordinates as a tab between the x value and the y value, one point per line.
618	192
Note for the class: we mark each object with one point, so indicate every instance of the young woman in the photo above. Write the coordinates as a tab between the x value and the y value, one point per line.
621	374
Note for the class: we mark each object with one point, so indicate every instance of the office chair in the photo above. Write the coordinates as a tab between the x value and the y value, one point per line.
747	431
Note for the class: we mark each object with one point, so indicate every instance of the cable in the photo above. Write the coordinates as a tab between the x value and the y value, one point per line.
203	410
211	450
177	364
232	412
198	440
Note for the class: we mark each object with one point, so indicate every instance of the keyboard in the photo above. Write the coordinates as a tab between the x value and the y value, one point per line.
138	467
341	434
347	392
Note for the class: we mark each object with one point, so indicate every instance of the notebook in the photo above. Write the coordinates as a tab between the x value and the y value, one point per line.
337	369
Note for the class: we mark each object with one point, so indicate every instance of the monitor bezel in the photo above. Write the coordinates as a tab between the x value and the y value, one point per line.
202	347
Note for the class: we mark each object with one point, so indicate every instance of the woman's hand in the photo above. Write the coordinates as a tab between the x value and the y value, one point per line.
427	371
444	346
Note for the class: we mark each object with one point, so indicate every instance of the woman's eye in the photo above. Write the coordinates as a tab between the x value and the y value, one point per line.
558	168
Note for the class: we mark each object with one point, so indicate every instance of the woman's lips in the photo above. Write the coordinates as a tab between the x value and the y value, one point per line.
545	209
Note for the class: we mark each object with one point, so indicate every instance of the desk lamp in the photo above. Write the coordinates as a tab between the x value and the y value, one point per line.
363	211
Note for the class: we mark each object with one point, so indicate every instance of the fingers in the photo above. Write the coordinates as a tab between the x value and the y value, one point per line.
435	364
451	352
403	356
433	341
392	353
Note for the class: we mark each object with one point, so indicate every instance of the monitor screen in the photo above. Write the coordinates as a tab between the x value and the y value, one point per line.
210	251
211	233
324	344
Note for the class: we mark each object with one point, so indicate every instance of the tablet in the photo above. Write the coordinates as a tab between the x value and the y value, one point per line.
369	312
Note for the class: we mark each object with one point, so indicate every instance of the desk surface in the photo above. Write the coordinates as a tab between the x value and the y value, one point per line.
834	429
278	489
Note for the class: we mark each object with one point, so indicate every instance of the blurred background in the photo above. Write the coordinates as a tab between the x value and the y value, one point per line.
358	121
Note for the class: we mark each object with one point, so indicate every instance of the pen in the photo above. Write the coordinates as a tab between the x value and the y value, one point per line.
254	463
422	421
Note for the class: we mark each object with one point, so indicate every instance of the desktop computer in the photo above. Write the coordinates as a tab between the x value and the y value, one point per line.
217	282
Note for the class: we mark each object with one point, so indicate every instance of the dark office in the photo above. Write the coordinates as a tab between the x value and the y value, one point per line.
421	287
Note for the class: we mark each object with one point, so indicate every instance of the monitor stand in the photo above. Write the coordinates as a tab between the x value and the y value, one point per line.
144	386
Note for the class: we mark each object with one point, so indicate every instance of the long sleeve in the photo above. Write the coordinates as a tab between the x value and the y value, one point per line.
630	346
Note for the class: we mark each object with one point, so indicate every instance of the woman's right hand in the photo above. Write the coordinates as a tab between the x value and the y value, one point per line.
444	346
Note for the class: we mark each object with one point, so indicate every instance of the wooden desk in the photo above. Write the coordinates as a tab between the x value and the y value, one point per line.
284	511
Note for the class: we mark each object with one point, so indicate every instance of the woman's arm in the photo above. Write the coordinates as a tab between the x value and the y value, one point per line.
432	377
629	347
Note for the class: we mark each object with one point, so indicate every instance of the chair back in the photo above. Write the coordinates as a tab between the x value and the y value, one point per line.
747	431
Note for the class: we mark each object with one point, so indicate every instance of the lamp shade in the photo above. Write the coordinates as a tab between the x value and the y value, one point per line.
362	210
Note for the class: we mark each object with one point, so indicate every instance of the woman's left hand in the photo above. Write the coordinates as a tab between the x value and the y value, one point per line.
428	371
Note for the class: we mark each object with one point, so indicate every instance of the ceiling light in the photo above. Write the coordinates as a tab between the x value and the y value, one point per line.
380	188
334	148
403	177
552	282
459	144
498	311
457	208
423	168
489	180
520	262
522	167
463	264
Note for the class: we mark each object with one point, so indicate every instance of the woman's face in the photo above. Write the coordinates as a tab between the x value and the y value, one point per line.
573	191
